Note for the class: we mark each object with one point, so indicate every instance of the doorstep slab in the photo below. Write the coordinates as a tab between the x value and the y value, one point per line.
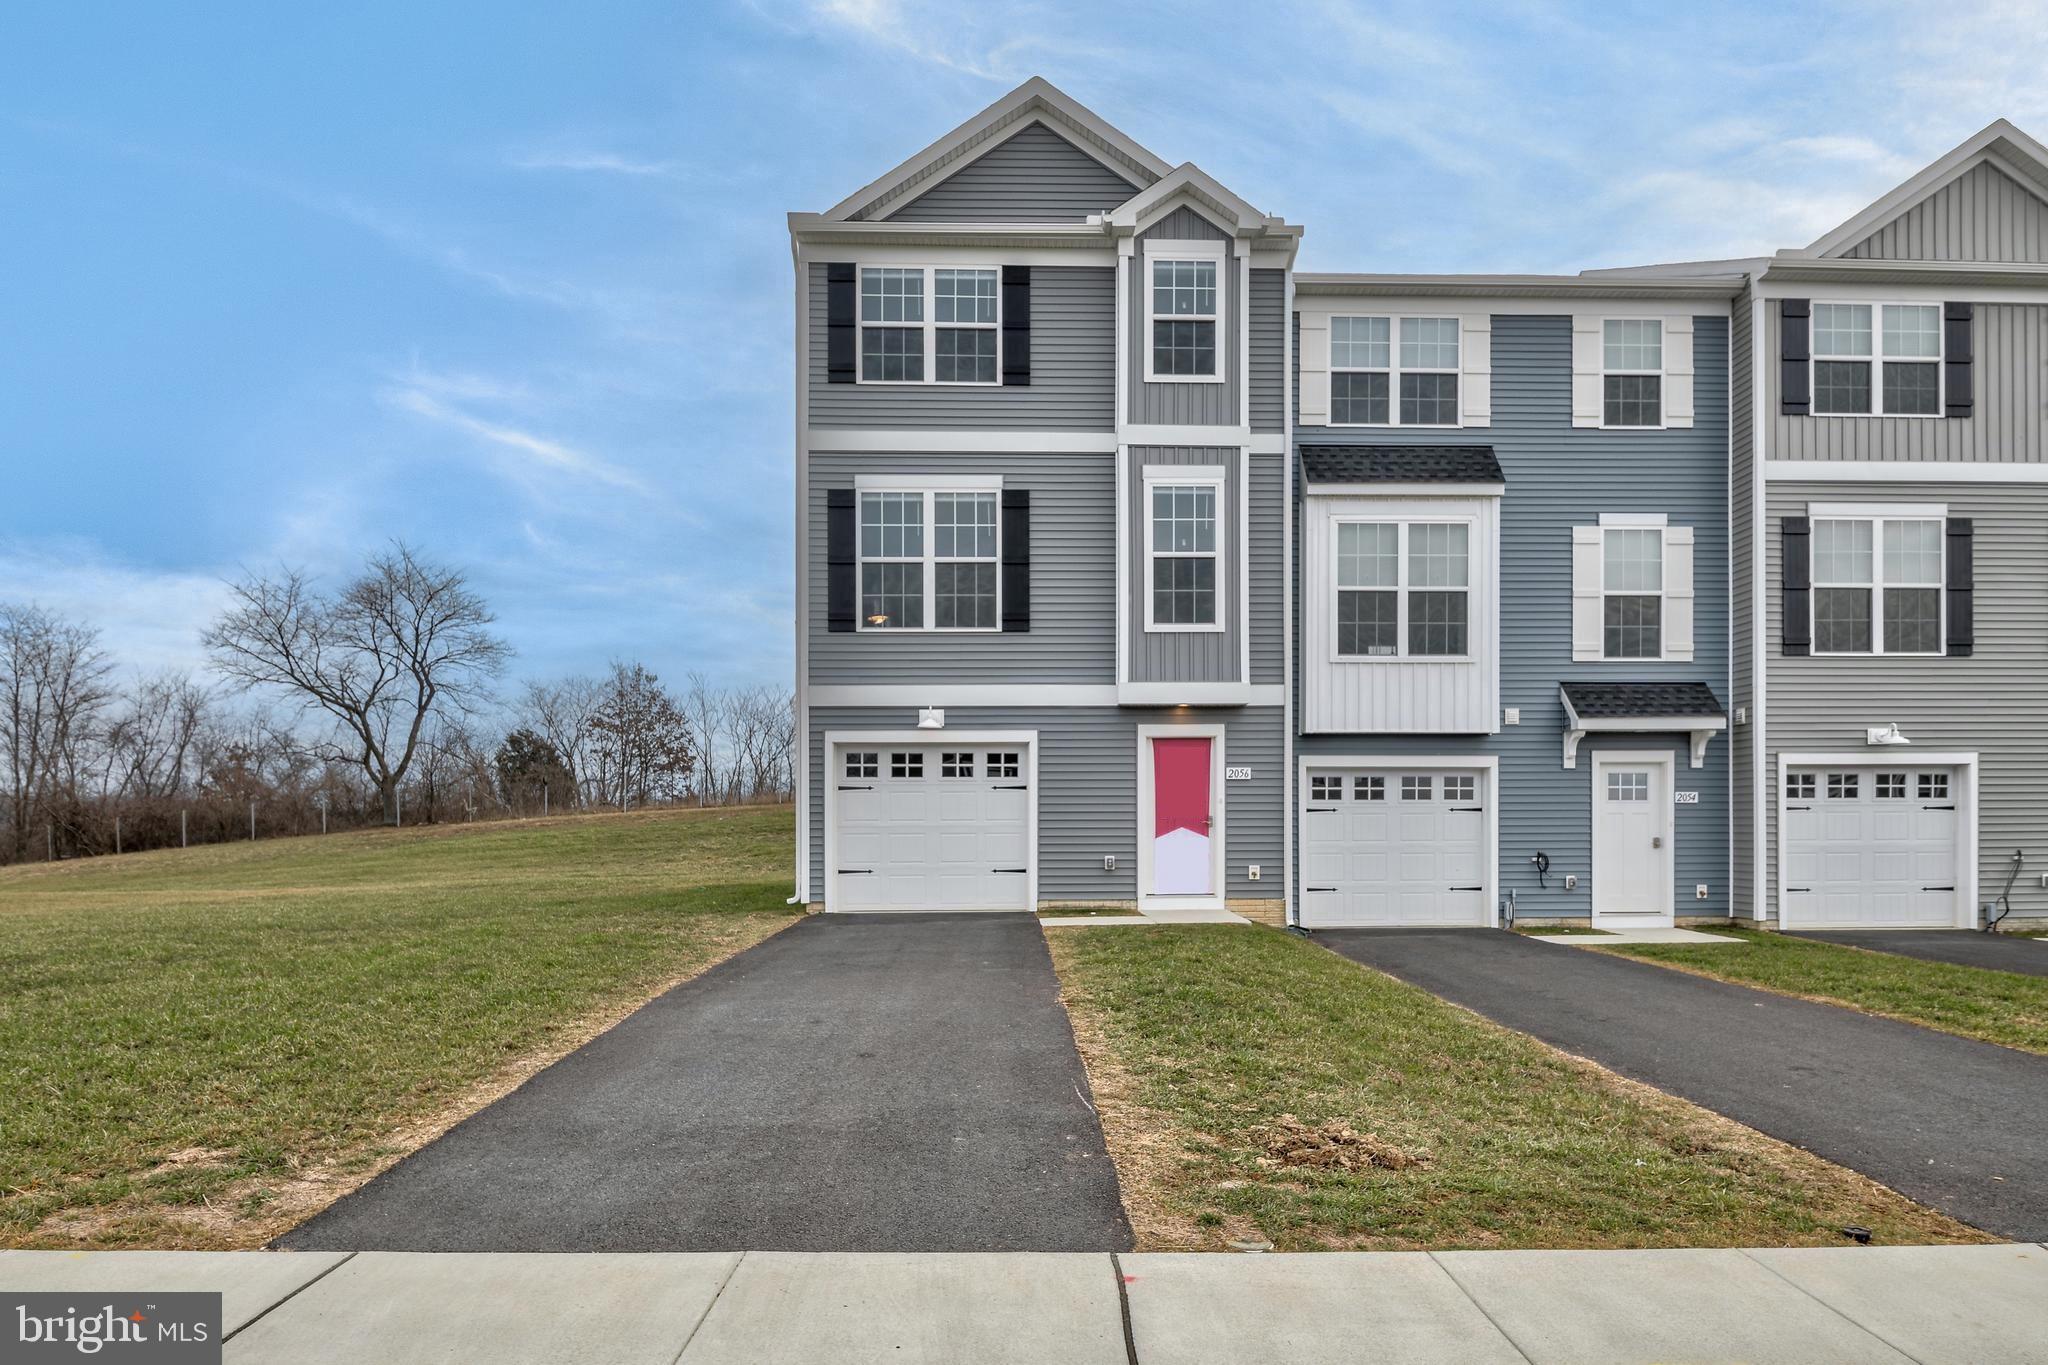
1312	1308
248	1282
1963	1304
509	1308
1586	1307
915	1308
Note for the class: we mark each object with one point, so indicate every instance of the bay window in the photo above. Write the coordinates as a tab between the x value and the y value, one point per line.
1403	589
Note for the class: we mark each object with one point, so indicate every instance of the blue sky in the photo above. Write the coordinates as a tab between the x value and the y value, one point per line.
283	282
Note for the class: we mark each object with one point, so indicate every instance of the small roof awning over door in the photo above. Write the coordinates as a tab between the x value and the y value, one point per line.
1464	471
1639	707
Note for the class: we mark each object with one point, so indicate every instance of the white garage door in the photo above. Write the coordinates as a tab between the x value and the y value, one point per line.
930	827
1395	848
1870	848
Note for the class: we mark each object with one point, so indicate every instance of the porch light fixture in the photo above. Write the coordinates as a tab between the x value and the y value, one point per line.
931	718
1885	734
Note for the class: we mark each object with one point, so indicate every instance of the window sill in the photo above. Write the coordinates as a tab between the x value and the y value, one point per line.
1403	659
1151	378
928	630
1152	629
928	383
1893	416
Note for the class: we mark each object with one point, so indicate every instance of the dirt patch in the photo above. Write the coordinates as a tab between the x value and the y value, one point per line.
1332	1145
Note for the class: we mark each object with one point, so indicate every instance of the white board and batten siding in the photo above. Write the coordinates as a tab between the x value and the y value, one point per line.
1399	696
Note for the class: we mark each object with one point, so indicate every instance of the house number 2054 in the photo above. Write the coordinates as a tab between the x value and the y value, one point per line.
1237	774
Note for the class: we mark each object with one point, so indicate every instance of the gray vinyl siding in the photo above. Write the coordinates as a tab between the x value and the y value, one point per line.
1088	789
1035	176
1983	215
1269	350
1990	703
1558	476
1073	368
1186	655
1742	453
1184	404
1267	524
1073	570
2006	428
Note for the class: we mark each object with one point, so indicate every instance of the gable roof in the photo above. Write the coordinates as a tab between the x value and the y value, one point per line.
1190	182
2001	145
1400	464
1037	100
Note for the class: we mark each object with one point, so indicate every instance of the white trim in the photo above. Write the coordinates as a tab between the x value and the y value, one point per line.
1402	490
1137	434
1191	183
1215	478
802	542
977	244
1244	567
1759	657
1027	740
1290	890
1219	863
929	483
1435	297
913	695
1159	251
948	441
1901	471
1634	520
1635	758
1889	511
1487	764
1966	813
1660	374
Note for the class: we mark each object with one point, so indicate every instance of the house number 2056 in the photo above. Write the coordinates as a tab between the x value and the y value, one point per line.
1237	774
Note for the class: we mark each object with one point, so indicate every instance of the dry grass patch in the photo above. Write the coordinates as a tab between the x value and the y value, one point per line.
1252	1085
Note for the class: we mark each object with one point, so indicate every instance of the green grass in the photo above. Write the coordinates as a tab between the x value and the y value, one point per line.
199	1047
1199	1038
1998	1007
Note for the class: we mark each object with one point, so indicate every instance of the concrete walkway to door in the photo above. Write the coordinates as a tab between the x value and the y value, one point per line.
855	1083
1954	1123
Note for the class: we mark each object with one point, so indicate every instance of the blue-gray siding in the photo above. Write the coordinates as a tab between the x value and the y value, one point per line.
1558	476
1088	789
1184	404
1073	579
1073	368
1035	176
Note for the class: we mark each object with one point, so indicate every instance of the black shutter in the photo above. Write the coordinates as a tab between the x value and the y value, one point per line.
1016	532
1795	349
1016	326
1796	538
839	565
1958	351
1962	588
840	328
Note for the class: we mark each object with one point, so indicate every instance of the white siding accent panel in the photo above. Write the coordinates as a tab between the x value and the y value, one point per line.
1678	593
1475	354
1314	361
1677	372
1586	607
1586	336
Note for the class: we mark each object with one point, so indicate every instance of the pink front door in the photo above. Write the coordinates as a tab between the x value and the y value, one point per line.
1181	818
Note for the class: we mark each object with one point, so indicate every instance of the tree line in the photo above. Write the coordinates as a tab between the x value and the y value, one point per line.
378	703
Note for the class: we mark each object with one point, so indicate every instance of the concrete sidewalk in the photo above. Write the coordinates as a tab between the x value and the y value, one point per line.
1982	1304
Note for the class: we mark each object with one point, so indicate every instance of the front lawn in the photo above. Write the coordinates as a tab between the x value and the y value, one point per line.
1997	1007
200	1048
1255	1086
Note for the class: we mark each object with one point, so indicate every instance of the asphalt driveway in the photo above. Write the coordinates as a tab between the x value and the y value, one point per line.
855	1083
1964	947
1954	1123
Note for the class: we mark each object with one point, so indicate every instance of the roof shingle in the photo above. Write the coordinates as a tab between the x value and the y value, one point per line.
1636	701
1400	464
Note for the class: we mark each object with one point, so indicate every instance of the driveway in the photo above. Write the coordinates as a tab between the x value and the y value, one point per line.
855	1083
1954	1123
1964	947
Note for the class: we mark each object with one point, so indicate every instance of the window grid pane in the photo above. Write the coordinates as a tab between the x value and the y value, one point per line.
1437	555
965	356
1184	348
891	294
1184	288
1841	329
964	296
1841	387
892	596
1359	344
1184	591
1633	560
892	354
1368	554
1912	331
1429	400
1841	620
1633	344
1912	553
1436	624
964	525
1368	789
1429	343
892	525
1359	399
1184	518
1842	552
1633	400
1416	788
1912	390
1367	624
1634	628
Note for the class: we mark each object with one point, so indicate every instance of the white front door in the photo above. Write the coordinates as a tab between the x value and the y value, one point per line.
1871	848
1632	830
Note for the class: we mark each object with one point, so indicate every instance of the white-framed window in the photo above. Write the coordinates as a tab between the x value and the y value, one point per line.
1877	359
1628	786
930	324
1394	371
1632	372
1183	551
928	559
1403	589
1632	592
1877	584
1185	291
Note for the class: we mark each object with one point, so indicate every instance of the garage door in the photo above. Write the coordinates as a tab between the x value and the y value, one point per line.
1870	849
930	827
1395	848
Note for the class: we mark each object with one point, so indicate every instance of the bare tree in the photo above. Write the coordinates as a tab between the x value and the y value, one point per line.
149	745
641	739
403	642
53	687
562	712
708	712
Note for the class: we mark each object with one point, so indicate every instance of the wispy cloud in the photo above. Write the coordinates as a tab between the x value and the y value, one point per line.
148	618
532	453
607	163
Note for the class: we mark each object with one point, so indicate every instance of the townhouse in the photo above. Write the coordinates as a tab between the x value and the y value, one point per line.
1136	568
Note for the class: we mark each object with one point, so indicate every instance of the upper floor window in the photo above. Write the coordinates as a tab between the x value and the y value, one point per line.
928	560
1387	371
1403	589
948	338
1182	554
1184	312
1632	372
1877	585
1877	359
1632	592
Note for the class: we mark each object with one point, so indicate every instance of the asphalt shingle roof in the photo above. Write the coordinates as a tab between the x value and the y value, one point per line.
1400	464
1637	701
